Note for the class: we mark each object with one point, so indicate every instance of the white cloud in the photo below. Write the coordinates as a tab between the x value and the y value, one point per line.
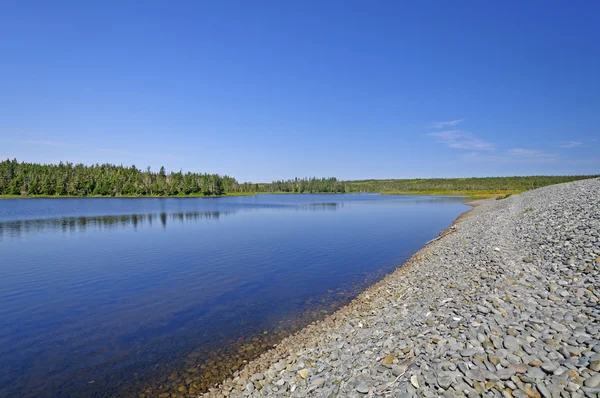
515	155
461	140
571	144
532	154
450	123
585	162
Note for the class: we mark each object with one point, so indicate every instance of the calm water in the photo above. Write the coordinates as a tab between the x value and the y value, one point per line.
110	297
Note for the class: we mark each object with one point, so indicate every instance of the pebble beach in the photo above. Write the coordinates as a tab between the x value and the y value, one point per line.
503	304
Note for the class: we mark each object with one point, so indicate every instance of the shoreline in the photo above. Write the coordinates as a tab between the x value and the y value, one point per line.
193	196
440	325
289	343
298	325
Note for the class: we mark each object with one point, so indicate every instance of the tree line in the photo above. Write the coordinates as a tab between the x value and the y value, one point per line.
68	179
307	185
109	180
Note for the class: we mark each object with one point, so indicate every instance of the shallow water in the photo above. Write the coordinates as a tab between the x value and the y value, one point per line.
113	297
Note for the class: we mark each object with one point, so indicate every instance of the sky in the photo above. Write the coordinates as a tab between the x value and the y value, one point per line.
265	90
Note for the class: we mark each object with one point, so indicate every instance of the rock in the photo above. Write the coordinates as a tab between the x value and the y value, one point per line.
444	381
531	392
398	370
387	360
543	390
303	373
415	381
279	366
558	327
518	367
362	387
511	343
505	374
482	309
549	367
316	383
536	373
593	381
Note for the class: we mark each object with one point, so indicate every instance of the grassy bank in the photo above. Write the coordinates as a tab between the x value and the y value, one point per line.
474	194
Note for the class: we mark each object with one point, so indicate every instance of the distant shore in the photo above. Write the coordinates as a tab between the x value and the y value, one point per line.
471	194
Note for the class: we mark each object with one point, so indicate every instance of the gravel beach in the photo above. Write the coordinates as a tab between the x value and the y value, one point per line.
505	304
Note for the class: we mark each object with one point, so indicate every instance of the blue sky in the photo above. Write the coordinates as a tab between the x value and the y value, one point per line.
264	90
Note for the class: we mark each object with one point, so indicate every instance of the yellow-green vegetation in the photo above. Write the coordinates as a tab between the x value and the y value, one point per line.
473	194
473	187
483	185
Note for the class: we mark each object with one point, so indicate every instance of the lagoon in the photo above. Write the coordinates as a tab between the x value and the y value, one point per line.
117	297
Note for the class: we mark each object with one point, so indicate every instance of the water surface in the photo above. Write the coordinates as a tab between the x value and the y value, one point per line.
113	297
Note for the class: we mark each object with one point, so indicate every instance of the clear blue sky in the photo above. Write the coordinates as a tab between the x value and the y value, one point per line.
263	90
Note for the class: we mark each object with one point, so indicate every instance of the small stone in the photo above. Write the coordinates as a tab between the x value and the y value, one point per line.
398	370
549	367
316	383
279	366
531	393
482	309
303	373
593	381
505	374
387	360
518	367
362	387
543	390
536	373
559	327
445	381
478	387
415	381
511	343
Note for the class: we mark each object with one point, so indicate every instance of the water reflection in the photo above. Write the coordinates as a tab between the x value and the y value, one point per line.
18	228
327	206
